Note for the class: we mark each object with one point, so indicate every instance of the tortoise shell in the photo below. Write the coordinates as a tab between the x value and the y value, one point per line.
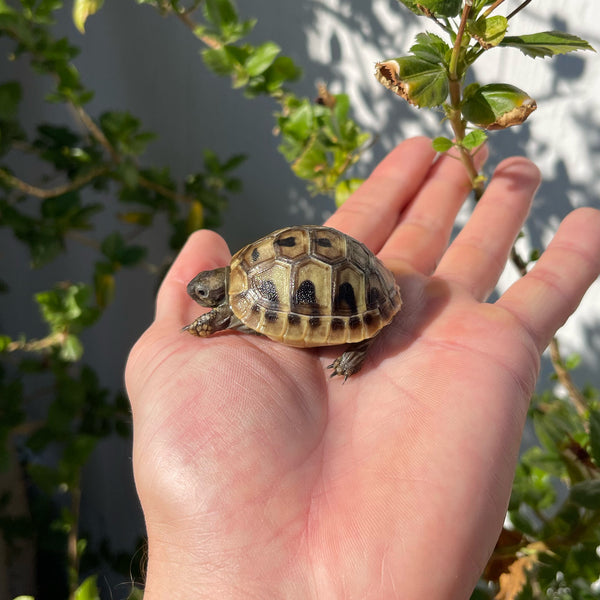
311	286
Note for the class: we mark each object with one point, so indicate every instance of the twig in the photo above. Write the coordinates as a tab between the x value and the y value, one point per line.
492	8
518	9
96	133
165	191
43	193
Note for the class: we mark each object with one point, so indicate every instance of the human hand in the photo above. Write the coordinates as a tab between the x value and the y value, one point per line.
261	477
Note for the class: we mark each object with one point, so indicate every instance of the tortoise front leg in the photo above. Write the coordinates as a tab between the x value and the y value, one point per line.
217	319
351	361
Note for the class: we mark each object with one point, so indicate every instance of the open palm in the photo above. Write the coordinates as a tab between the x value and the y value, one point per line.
261	477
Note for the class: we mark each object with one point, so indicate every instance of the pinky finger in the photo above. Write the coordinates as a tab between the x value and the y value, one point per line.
545	298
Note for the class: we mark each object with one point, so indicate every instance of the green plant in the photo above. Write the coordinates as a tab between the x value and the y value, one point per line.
95	158
549	549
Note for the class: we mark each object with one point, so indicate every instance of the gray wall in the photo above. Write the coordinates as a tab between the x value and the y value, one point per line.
135	60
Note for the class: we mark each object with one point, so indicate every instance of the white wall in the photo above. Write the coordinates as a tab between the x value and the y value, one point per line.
138	61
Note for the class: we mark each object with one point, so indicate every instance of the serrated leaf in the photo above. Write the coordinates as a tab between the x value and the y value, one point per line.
420	82
586	494
489	32
442	144
546	43
498	106
431	48
82	9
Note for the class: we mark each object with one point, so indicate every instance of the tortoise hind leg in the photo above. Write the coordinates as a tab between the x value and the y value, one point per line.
351	361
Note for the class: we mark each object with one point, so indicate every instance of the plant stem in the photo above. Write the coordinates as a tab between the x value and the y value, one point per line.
454	112
518	9
43	193
492	8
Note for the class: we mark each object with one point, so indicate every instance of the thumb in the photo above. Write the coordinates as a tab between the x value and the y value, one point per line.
203	250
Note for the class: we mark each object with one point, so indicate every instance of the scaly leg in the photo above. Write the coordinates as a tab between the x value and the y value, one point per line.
351	360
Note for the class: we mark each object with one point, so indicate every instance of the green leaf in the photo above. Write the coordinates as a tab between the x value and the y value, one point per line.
497	106
220	12
262	58
219	61
344	189
489	32
442	144
586	494
474	139
572	361
82	9
546	43
71	349
420	82
443	8
431	48
88	590
66	308
10	96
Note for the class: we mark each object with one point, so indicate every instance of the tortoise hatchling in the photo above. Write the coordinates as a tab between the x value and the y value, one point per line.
302	286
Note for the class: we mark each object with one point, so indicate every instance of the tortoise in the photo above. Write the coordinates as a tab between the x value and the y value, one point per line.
303	286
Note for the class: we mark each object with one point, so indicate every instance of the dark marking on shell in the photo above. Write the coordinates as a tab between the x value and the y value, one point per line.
306	293
324	242
314	321
345	300
287	241
293	319
255	308
354	322
337	324
271	316
373	298
368	319
268	290
255	254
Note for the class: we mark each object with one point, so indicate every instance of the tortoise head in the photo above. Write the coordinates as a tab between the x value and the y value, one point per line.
209	288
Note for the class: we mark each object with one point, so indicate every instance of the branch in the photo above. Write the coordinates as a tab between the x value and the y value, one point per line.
518	9
43	193
492	8
165	191
96	132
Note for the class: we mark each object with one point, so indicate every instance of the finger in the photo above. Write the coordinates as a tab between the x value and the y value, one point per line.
423	230
478	255
370	214
203	250
551	291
